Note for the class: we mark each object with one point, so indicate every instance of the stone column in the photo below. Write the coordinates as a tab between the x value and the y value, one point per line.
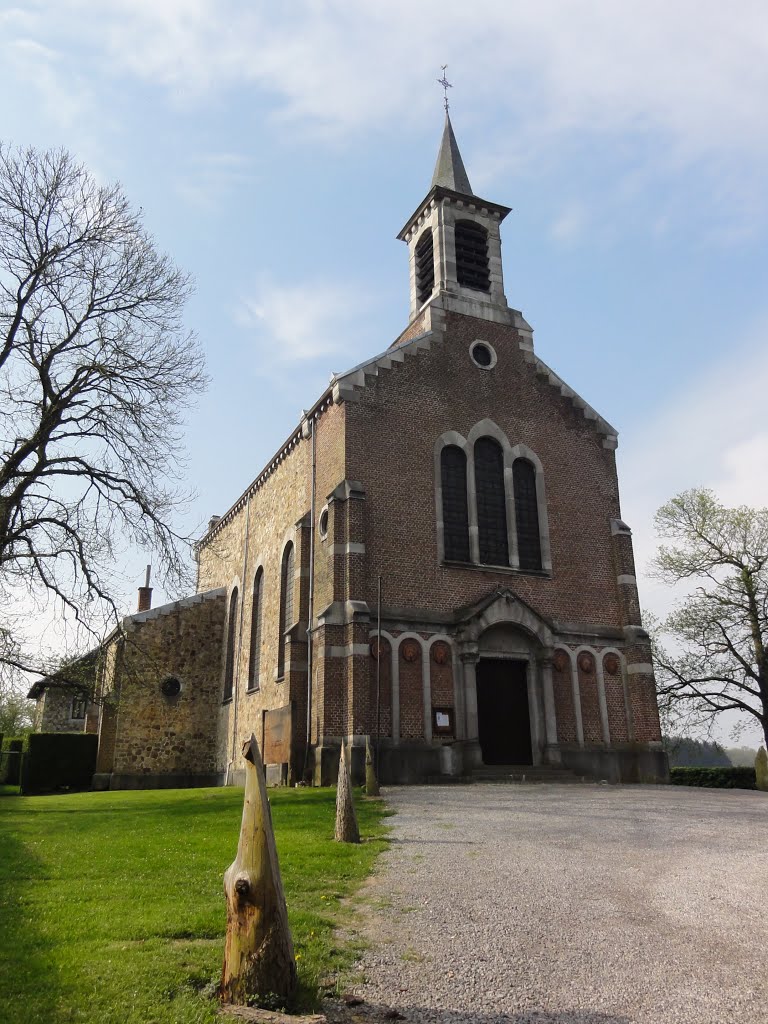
469	653
552	749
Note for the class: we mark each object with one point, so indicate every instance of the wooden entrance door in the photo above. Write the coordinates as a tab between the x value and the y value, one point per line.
503	716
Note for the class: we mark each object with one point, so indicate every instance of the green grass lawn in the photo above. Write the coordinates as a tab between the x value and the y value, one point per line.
112	908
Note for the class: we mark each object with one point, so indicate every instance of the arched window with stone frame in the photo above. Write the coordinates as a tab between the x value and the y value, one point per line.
286	604
229	660
472	266
453	481
254	660
526	515
491	502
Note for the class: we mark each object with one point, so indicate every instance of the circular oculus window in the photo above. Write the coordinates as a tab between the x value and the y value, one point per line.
170	686
323	524
482	355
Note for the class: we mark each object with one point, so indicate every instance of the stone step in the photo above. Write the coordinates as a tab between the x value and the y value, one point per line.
524	773
509	773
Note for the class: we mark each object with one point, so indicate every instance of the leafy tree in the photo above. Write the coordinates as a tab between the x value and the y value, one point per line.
96	370
15	714
718	660
684	752
741	757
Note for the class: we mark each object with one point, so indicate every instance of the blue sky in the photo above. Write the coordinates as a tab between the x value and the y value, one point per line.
277	150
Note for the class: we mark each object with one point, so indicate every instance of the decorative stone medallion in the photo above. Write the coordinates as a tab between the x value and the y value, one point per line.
561	661
411	650
379	648
612	664
586	663
440	652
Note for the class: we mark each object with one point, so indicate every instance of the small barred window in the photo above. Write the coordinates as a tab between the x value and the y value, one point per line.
453	474
491	502
79	706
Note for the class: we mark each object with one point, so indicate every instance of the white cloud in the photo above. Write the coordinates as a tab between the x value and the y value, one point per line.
300	322
692	71
712	433
206	180
570	225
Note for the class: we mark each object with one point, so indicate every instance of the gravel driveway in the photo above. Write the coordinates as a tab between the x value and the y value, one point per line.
570	904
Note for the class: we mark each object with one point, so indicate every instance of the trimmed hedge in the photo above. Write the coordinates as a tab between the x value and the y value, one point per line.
58	761
714	778
11	751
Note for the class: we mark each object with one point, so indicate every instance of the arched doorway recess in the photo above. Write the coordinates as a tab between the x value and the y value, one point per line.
508	714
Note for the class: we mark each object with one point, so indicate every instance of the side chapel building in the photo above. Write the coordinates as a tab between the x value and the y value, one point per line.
461	471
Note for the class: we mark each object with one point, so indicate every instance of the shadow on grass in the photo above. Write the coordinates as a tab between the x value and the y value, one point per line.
25	952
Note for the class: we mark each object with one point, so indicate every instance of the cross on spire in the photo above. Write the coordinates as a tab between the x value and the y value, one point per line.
446	86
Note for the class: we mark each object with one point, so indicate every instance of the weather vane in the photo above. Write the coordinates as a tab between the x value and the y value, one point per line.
445	84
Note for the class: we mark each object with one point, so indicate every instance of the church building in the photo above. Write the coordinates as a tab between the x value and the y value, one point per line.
434	560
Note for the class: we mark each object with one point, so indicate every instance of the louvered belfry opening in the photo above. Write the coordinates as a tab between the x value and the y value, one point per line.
425	266
472	256
286	605
255	653
229	664
453	474
526	514
491	502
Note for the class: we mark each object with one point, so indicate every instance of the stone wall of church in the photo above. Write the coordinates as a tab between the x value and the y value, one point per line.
54	712
157	734
277	512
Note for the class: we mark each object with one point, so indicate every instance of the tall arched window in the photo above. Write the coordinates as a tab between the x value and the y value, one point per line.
255	652
491	502
286	605
453	478
526	514
472	255
229	664
425	266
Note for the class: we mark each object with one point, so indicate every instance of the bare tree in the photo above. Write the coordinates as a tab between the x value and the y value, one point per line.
96	369
718	660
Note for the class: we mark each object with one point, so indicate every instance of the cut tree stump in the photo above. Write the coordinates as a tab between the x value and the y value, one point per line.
258	952
371	782
346	819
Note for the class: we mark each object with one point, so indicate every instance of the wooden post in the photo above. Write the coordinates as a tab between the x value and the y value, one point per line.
371	782
258	953
346	819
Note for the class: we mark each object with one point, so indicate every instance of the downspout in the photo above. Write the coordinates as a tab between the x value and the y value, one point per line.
310	603
236	673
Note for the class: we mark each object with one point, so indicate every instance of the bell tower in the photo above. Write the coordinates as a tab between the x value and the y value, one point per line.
454	245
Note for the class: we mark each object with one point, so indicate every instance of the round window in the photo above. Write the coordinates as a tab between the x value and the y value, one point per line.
323	524
170	686
482	355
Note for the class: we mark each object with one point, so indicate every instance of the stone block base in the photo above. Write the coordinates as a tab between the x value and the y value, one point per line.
118	780
621	764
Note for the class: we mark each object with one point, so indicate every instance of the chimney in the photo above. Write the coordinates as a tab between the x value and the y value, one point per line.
212	522
145	593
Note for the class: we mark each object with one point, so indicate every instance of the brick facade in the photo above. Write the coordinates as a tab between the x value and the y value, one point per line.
357	491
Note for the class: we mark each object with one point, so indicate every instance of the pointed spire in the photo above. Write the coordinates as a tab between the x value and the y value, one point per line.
449	169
